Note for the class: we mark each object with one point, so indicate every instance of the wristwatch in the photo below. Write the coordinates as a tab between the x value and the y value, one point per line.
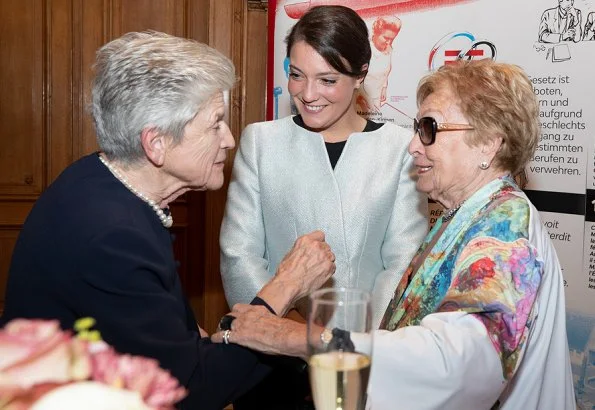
325	337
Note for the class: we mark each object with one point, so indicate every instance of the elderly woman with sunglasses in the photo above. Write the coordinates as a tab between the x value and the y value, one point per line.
478	319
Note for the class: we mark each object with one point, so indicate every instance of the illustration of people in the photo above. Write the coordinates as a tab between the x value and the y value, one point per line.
589	32
383	33
562	23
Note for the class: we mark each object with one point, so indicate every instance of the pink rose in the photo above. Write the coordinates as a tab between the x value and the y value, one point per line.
37	357
34	352
156	386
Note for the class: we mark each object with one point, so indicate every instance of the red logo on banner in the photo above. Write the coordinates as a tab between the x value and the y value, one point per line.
459	46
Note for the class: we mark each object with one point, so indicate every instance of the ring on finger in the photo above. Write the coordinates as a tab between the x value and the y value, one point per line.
226	336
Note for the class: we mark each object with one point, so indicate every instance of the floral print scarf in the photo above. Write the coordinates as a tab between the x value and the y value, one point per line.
483	264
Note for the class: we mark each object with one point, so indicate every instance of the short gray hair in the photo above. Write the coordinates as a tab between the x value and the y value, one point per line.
152	80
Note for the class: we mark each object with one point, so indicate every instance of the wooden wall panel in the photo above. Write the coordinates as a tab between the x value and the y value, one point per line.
22	90
197	20
13	213
91	26
138	15
7	241
59	87
255	66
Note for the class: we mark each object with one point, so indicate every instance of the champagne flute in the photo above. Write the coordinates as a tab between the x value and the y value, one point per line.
339	371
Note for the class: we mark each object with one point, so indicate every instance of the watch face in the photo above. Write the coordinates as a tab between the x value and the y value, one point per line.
326	336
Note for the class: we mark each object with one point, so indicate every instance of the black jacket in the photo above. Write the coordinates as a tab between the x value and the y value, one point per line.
91	248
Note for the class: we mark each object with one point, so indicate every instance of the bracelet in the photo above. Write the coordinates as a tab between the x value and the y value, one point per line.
337	339
326	337
225	322
261	302
342	340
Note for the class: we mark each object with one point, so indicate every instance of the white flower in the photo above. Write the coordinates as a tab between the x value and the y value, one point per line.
90	396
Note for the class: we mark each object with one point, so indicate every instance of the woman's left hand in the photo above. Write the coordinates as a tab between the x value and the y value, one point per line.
255	327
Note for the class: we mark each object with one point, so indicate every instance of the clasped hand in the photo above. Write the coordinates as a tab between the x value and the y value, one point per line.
307	266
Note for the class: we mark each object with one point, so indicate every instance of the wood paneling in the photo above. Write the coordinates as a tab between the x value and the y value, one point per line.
22	97
255	66
8	238
91	22
59	86
138	15
13	213
197	20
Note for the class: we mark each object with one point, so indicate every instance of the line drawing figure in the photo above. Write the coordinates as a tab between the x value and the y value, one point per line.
562	23
589	32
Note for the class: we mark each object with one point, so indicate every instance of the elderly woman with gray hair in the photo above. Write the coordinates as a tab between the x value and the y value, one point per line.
97	241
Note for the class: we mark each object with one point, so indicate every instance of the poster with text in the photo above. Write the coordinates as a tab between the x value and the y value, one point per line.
554	42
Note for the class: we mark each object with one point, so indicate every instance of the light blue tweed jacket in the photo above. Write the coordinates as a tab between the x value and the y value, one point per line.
283	186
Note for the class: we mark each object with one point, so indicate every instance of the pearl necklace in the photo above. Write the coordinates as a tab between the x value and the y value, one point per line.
166	220
451	213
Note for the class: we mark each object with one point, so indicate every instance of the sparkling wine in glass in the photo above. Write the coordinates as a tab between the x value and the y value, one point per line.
339	370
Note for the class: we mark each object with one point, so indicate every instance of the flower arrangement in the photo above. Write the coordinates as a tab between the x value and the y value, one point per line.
45	368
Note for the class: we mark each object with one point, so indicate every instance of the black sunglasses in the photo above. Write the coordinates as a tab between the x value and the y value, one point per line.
427	127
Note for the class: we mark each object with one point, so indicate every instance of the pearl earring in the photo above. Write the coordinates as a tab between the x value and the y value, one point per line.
484	165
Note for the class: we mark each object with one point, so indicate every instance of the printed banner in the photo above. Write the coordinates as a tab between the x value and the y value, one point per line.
554	41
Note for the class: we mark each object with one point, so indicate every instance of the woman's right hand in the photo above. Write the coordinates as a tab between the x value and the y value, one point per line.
306	267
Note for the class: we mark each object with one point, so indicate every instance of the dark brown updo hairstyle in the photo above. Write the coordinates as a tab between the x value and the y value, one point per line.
338	34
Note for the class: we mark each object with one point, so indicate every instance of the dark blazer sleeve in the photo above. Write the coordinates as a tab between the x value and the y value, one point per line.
129	284
224	373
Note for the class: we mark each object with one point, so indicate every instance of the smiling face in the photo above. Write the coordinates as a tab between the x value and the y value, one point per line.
198	161
323	96
448	169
